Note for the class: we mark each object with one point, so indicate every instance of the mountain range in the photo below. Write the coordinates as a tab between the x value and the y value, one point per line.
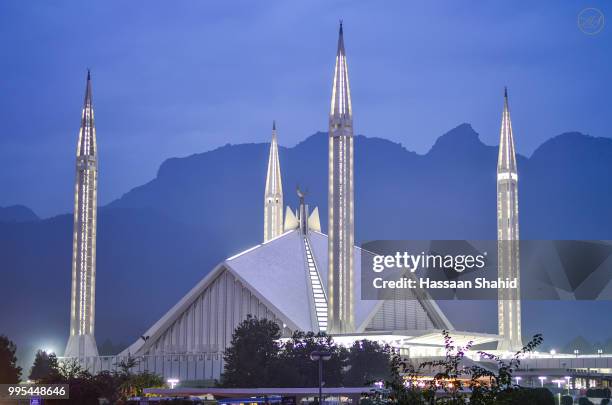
156	241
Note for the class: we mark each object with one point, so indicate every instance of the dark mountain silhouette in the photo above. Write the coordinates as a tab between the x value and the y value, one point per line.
159	239
17	213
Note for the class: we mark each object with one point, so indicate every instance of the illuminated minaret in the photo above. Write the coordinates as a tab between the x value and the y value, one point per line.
82	310
340	201
509	303
273	199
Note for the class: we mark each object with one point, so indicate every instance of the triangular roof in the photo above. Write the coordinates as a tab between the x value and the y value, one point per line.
275	272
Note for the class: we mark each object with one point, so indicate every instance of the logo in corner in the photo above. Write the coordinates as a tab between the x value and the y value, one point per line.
591	21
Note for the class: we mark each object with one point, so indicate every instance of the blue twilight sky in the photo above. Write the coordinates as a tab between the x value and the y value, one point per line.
176	78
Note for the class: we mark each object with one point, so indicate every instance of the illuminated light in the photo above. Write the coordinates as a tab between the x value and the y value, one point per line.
553	352
507	176
542	379
82	306
173	382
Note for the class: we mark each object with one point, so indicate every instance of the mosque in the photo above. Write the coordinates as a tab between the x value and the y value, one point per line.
298	276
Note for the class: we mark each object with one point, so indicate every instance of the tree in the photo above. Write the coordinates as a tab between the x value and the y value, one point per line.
304	372
252	354
126	366
45	366
10	373
368	361
447	385
136	383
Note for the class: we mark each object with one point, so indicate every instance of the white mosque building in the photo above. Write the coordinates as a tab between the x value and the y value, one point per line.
299	277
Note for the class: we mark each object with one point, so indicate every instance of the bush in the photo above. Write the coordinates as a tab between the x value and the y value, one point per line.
598	393
529	396
567	400
584	401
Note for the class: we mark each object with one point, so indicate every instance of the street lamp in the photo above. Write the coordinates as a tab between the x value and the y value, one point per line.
600	352
173	382
553	352
542	381
518	379
320	356
558	382
576	352
568	378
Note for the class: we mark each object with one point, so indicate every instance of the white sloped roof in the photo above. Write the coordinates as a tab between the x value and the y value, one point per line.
276	272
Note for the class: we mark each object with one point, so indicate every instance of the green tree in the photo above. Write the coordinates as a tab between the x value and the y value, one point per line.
45	366
487	387
136	383
295	356
126	365
368	361
10	373
252	354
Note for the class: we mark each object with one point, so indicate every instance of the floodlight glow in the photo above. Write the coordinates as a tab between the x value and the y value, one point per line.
542	380
173	382
558	382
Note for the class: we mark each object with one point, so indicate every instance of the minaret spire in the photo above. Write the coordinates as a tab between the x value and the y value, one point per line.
82	313
341	92
273	199
509	304
341	200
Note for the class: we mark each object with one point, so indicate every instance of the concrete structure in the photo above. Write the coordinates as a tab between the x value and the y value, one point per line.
332	394
509	300
273	199
293	292
309	279
341	308
81	342
298	277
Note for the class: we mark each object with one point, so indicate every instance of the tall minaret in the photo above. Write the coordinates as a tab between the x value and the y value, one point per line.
509	301
340	201
273	199
82	313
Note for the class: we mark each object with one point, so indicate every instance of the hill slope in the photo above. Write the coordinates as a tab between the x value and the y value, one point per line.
160	238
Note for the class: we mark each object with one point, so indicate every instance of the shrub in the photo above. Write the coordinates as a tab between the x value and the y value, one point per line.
567	400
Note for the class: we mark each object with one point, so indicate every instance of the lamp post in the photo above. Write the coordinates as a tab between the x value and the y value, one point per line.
542	381
320	356
599	352
576	352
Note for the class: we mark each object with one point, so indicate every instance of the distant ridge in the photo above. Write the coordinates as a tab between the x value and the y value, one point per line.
17	213
160	238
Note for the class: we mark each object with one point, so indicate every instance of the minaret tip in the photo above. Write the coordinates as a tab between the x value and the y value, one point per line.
341	26
505	92
273	125
88	74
